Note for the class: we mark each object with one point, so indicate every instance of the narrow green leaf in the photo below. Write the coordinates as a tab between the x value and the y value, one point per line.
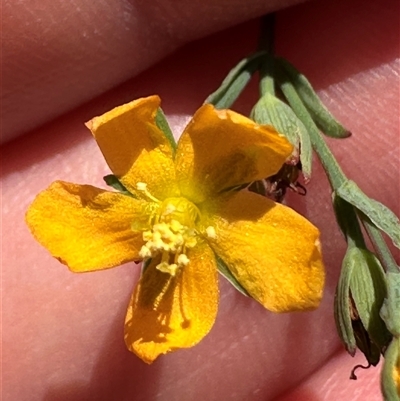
233	91
331	166
234	83
380	246
324	120
162	123
223	269
112	181
379	214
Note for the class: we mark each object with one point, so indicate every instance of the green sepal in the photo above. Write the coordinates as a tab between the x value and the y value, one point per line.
388	386
390	312
359	296
224	270
320	114
368	289
162	123
380	215
234	83
343	307
112	181
270	110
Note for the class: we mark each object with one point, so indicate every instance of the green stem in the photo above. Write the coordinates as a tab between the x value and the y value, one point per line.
380	246
331	166
333	170
267	83
335	173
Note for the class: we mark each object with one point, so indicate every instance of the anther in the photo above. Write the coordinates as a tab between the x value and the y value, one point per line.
183	260
210	231
142	186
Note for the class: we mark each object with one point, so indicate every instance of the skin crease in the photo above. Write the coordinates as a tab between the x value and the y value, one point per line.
63	332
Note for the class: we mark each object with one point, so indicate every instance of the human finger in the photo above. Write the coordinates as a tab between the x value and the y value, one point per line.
74	322
57	55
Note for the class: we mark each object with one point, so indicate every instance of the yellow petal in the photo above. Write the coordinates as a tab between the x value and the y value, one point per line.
271	250
220	149
167	313
135	149
85	227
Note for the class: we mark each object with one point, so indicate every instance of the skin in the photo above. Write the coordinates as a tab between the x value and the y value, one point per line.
76	45
63	332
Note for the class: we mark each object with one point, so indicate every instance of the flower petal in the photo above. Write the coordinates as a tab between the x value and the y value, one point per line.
220	149
135	149
272	251
167	313
85	227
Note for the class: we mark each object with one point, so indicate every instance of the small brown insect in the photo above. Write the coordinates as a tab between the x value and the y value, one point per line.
276	186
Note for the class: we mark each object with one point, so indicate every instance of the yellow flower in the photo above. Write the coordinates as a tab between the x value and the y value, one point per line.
184	210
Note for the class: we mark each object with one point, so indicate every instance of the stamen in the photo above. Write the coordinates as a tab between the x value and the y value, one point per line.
147	236
142	186
176	227
170	231
210	231
166	268
145	252
169	209
183	260
191	242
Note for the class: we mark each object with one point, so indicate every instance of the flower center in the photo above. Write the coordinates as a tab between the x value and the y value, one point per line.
171	231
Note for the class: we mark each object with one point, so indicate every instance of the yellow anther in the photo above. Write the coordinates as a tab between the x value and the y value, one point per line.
179	240
161	228
183	260
142	186
210	231
176	226
166	268
169	232
157	236
157	244
147	235
190	242
145	252
169	209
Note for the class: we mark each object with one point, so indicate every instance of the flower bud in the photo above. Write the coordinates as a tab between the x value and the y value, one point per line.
359	297
269	110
